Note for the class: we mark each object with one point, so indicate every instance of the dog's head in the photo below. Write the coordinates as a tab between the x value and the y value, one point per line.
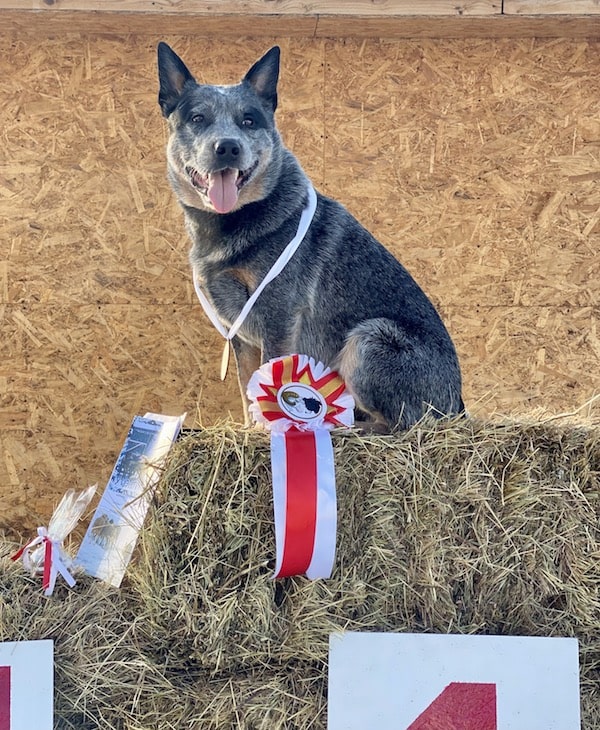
223	144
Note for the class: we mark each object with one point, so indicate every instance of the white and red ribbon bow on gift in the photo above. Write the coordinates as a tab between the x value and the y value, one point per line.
53	560
45	554
300	401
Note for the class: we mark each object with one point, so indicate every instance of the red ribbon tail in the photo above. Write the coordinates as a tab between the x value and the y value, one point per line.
301	502
19	553
47	563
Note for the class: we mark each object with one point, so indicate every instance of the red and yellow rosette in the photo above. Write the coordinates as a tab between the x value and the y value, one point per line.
300	401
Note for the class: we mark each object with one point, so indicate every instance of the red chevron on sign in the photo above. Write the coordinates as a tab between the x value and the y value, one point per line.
460	706
4	698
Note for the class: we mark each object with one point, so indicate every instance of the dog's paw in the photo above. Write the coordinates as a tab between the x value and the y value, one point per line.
372	427
254	426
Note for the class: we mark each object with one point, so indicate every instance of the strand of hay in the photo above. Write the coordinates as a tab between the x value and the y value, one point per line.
463	527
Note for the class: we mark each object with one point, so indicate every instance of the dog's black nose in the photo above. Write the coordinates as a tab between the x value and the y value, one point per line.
227	150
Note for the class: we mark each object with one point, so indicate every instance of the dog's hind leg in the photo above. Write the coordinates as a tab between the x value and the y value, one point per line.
395	377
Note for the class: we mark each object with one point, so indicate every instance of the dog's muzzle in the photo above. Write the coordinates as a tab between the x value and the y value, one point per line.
221	186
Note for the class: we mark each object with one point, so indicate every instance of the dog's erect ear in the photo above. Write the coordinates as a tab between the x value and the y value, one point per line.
173	76
263	76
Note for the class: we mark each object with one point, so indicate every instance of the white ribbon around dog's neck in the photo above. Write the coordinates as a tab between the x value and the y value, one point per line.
287	253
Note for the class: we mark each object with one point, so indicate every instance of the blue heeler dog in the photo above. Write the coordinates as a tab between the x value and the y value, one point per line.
342	298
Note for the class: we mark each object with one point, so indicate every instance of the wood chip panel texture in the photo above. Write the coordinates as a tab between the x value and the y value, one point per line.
475	161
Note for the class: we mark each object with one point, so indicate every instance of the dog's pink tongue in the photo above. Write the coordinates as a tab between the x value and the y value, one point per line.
222	190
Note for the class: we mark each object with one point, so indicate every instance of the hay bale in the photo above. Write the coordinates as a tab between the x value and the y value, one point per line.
463	527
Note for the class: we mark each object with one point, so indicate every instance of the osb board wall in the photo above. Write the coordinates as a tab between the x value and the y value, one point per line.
476	161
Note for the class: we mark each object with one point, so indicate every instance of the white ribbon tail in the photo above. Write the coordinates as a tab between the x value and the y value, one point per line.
278	467
323	558
57	566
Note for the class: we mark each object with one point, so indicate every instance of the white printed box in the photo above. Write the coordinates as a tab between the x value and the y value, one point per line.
108	544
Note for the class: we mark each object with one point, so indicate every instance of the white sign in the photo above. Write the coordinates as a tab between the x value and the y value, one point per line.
26	685
108	543
454	682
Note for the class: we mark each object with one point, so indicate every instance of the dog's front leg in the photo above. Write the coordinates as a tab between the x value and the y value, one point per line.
247	360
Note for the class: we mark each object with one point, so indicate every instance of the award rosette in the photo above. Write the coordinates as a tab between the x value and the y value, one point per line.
300	401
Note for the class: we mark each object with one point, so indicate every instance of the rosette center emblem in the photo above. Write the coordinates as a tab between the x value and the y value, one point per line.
301	402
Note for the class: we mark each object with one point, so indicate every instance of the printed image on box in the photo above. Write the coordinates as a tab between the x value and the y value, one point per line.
26	685
108	543
452	682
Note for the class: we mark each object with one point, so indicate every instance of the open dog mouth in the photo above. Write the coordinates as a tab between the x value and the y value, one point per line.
222	187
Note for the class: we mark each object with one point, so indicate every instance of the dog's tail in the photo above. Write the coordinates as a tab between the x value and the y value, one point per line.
397	377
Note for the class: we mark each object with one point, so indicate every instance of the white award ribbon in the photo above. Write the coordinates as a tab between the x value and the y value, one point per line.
321	565
285	256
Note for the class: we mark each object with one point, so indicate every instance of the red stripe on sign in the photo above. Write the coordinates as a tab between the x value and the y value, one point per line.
301	502
4	698
461	706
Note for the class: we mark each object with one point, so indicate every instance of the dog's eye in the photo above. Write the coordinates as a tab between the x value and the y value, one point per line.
248	120
198	118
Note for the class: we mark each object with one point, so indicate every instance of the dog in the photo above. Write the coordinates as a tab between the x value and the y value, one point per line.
342	298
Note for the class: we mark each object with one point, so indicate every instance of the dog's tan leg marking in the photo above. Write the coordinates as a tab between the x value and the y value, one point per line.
246	277
346	361
248	360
